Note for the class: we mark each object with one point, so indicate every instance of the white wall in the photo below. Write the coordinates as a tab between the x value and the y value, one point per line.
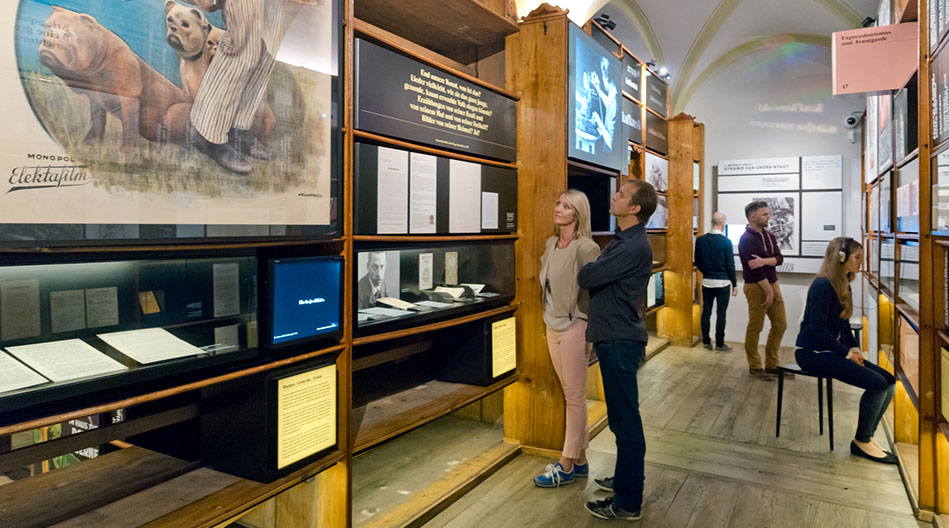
738	106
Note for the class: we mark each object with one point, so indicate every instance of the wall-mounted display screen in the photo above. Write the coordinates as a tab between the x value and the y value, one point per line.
306	298
404	98
657	133
632	76
595	130
656	93
632	121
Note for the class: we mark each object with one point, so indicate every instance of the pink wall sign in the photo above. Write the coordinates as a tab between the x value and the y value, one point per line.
874	59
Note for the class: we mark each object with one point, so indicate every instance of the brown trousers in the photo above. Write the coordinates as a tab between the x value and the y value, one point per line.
779	323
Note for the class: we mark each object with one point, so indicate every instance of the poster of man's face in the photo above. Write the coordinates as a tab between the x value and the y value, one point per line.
378	277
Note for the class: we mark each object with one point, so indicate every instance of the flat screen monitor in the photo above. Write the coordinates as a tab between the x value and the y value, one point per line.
596	133
305	297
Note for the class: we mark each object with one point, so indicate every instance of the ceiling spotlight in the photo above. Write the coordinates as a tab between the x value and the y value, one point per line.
668	76
663	71
651	63
604	21
867	22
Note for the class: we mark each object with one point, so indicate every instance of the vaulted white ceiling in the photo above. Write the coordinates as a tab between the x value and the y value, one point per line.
696	38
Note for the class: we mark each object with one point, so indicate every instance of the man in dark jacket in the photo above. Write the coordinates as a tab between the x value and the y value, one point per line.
715	259
617	284
760	256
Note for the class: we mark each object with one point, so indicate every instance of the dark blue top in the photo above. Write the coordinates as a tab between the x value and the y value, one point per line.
764	245
617	283
714	257
822	329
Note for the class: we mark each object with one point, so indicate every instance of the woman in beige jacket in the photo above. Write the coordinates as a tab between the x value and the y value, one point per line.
565	307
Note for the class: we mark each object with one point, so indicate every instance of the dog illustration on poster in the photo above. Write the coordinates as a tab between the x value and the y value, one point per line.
179	95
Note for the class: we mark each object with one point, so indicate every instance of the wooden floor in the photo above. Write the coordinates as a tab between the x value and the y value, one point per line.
712	459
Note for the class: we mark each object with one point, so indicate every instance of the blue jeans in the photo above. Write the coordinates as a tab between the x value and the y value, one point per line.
619	362
878	385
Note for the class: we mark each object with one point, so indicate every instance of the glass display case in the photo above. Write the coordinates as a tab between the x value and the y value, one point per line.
407	286
909	274
907	198
940	192
875	207
79	331
888	264
886	181
873	257
909	352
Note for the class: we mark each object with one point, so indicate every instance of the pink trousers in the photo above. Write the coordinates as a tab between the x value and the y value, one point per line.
568	353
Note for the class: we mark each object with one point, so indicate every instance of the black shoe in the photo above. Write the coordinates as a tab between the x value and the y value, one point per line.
245	142
890	458
605	484
723	348
708	346
607	509
223	153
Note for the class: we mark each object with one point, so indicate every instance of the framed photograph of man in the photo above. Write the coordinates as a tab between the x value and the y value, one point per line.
188	118
378	276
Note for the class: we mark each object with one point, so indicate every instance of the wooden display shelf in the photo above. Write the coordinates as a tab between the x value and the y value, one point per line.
944	429
597	419
910	314
135	487
166	393
431	327
908	455
432	238
910	390
908	158
450	28
425	470
399	413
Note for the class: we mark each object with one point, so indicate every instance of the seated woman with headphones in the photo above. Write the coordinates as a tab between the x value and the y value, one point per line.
826	346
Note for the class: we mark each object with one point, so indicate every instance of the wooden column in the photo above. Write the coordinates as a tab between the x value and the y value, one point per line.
928	351
675	320
536	71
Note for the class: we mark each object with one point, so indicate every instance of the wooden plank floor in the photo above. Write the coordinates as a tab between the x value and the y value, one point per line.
712	459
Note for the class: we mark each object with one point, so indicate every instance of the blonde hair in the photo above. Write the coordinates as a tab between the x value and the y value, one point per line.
581	213
833	270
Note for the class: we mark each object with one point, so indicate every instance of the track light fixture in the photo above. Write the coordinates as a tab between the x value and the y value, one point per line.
604	21
867	22
651	63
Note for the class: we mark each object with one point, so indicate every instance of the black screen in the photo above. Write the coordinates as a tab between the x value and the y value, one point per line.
306	298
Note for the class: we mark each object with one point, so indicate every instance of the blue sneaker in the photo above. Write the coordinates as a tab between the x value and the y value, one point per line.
554	476
581	470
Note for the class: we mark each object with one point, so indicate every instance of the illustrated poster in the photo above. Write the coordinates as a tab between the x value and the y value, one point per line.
157	112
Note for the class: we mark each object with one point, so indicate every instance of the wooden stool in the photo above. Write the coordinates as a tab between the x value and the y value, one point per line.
794	369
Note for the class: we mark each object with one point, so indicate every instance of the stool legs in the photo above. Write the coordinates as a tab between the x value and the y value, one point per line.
830	411
820	405
777	427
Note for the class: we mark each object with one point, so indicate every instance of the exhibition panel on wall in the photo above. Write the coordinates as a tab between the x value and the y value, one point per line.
804	198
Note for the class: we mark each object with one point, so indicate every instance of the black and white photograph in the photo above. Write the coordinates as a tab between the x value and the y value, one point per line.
657	172
660	218
378	273
596	135
784	209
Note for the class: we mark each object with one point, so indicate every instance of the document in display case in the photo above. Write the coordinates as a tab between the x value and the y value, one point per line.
396	288
482	352
887	263
909	274
81	329
267	425
400	192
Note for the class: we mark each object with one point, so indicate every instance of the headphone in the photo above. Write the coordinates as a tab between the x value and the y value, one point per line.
844	253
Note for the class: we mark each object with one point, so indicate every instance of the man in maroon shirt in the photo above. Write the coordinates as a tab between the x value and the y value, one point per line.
760	255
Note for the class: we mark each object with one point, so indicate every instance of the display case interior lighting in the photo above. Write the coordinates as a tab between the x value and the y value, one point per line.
75	271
